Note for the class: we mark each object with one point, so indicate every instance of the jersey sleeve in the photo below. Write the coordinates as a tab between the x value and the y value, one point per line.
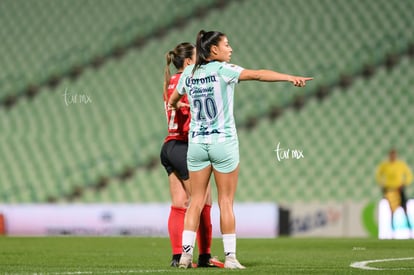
181	84
230	72
379	174
408	174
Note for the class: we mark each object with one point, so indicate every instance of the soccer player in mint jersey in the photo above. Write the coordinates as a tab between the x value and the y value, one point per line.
174	159
213	143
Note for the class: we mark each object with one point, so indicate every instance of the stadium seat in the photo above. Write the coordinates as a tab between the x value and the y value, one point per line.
63	146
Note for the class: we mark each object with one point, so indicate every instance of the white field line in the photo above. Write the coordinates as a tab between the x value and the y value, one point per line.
364	264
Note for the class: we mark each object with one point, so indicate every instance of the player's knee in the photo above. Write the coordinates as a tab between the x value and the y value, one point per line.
180	202
225	203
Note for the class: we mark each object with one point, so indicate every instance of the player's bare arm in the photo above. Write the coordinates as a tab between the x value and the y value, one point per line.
174	99
272	76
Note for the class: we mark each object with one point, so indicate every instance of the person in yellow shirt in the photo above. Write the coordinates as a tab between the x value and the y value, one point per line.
393	175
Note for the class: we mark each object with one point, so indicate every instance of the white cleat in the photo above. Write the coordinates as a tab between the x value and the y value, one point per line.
232	263
186	261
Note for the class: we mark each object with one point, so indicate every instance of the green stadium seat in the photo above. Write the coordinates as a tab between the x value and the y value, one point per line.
62	147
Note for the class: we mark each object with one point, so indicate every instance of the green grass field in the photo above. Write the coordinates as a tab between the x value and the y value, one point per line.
130	255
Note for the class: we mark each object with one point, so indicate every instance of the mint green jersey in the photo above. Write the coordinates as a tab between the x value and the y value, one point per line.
211	95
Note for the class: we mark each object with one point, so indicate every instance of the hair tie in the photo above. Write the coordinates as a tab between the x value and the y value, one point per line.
201	34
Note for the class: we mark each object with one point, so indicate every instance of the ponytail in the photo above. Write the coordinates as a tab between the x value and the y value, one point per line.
167	74
201	53
177	57
203	46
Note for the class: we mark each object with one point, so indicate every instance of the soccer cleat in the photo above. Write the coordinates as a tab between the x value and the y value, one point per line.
204	260
216	262
232	263
175	263
175	260
186	261
209	261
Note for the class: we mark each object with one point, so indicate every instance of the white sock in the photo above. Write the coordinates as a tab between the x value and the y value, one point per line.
188	241
229	244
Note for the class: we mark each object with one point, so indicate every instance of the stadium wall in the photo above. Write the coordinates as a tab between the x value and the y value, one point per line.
254	220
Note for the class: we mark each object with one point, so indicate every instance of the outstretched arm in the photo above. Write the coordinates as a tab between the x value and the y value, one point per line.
272	76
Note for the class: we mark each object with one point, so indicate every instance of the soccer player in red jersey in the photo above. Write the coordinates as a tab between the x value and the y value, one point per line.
174	159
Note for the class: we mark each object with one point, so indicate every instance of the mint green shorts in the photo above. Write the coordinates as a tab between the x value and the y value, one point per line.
223	156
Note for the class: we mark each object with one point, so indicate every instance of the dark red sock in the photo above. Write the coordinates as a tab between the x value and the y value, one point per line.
205	231
175	228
